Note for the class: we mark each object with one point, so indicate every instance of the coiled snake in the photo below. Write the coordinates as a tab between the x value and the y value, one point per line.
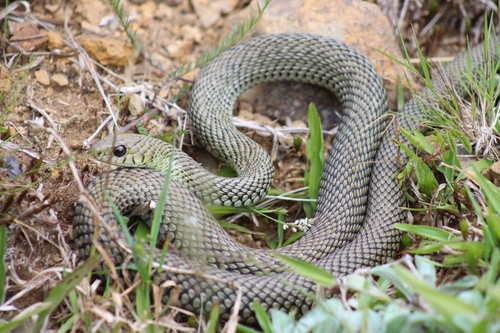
359	201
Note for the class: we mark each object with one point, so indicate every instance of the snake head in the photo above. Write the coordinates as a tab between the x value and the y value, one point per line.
129	150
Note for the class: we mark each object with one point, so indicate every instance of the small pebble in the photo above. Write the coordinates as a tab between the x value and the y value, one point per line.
42	77
60	79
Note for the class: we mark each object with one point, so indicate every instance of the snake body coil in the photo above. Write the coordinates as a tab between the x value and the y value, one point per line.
359	201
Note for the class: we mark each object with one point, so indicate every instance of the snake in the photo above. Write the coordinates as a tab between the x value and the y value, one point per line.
360	198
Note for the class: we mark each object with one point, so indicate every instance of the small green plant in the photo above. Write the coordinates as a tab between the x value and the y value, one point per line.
3	268
132	36
315	159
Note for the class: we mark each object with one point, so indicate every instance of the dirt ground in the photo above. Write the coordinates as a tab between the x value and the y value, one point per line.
38	207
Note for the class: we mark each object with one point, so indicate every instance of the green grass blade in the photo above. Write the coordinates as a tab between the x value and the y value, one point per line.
426	180
227	172
214	319
425	231
223	210
3	248
491	192
263	318
293	238
158	214
418	140
143	232
227	225
427	249
316	274
315	159
67	325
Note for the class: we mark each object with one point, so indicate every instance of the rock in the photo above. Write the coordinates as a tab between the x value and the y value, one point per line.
245	115
298	124
191	33
4	73
59	79
180	48
5	84
164	93
207	15
52	8
223	6
163	62
245	107
54	41
495	168
42	77
59	12
357	23
493	173
92	10
261	119
173	3
74	69
148	10
156	127
15	118
14	27
88	27
164	12
135	105
28	39
107	51
188	19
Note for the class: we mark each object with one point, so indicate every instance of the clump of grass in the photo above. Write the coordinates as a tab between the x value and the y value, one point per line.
438	21
117	6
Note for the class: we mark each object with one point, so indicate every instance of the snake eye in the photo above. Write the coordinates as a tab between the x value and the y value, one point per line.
119	151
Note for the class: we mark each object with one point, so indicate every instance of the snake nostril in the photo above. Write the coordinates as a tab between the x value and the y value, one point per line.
119	151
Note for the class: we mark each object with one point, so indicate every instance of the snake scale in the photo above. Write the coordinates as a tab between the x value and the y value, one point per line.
359	200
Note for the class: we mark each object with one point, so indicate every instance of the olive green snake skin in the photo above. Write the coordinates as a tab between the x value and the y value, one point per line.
359	201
